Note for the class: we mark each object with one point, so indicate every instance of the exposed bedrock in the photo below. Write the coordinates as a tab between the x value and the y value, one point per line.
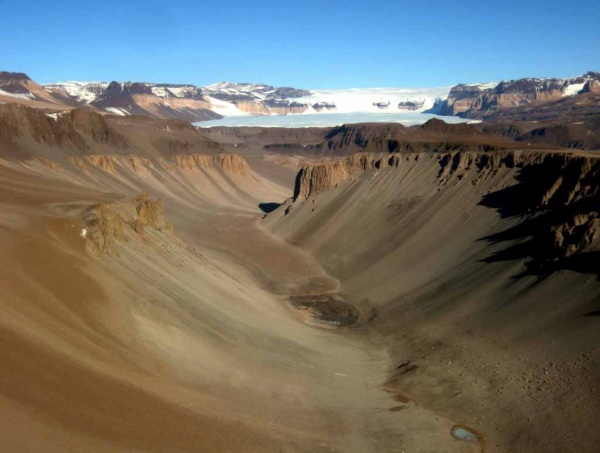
106	222
558	195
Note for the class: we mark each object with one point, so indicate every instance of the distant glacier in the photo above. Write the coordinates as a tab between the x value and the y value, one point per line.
329	119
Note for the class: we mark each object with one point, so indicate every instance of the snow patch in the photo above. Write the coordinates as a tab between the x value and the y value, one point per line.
27	96
55	116
82	91
180	92
117	111
258	91
573	89
482	86
225	108
161	92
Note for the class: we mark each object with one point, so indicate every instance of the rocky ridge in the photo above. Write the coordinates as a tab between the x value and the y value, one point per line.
477	101
233	164
192	103
70	128
184	101
559	193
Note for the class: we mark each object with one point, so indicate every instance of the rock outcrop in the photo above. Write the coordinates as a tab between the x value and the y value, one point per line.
140	165
106	223
17	120
18	87
593	84
71	128
14	82
480	101
434	135
313	179
186	101
557	194
323	105
94	126
106	163
230	164
157	100
270	107
104	226
410	106
233	164
193	162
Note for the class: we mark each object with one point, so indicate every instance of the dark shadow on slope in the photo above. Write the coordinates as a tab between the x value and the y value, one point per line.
533	182
548	237
268	207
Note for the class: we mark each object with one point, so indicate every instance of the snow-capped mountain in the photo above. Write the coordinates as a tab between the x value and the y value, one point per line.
235	99
483	100
192	103
135	98
181	101
18	87
84	92
256	91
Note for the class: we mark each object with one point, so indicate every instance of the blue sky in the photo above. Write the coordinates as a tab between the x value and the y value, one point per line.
311	44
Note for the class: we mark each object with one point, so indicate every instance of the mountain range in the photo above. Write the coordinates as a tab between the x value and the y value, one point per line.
522	99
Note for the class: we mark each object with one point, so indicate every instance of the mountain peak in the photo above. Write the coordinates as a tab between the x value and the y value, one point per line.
5	75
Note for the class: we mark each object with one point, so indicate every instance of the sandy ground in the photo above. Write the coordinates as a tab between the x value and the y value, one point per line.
187	341
166	348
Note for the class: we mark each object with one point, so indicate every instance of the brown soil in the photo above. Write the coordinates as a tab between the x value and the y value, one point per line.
474	273
328	308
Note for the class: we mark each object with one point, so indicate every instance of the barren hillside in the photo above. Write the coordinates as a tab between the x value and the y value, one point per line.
167	289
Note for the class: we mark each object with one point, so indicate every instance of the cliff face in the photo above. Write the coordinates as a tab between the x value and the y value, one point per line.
581	172
270	107
14	82
313	179
190	109
232	164
592	85
559	194
157	100
434	135
94	126
69	128
476	101
354	137
186	102
29	132
18	87
194	104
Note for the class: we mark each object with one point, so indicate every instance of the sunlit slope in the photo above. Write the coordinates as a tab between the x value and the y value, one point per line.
146	311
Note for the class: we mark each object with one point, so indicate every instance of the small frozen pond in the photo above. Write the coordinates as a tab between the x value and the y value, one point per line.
462	433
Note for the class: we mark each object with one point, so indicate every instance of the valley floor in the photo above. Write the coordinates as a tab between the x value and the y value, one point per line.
122	332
